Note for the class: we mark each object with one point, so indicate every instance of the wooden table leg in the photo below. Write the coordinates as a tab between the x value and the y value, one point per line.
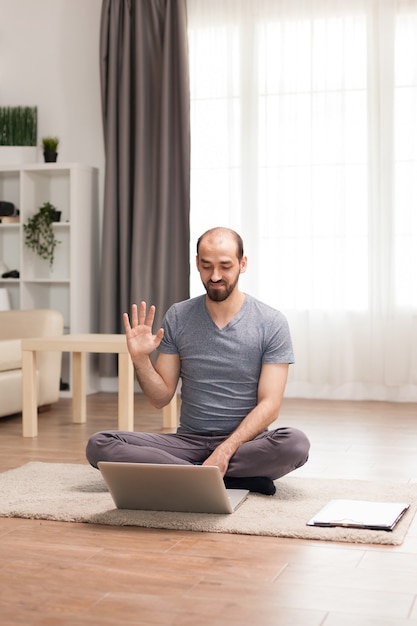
29	394
170	414
126	393
79	400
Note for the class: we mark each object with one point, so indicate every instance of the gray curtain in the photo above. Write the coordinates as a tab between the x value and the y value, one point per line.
146	118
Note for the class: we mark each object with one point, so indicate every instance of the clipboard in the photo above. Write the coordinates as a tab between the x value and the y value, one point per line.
360	514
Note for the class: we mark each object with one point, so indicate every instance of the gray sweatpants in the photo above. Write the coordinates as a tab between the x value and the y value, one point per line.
272	454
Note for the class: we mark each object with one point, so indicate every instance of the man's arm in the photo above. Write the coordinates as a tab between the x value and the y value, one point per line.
159	383
271	389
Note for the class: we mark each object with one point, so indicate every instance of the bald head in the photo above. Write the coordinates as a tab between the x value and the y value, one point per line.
218	236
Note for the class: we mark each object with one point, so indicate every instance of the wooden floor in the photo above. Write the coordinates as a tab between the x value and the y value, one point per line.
54	573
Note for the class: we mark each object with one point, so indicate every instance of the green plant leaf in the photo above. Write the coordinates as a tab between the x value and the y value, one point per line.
39	233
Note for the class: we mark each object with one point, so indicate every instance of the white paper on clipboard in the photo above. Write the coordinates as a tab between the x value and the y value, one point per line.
360	514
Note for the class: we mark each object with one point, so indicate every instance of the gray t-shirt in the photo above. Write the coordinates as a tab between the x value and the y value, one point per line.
220	368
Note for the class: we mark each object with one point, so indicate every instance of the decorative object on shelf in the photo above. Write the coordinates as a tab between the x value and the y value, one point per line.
18	126
7	208
10	219
8	213
39	233
11	274
50	145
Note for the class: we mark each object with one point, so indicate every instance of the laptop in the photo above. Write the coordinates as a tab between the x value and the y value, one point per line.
360	514
165	487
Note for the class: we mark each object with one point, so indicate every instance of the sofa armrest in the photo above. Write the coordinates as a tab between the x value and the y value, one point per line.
26	323
10	355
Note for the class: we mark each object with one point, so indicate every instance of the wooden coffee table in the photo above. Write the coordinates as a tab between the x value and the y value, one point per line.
79	345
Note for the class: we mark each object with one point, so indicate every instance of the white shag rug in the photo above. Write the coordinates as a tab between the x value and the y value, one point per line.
77	493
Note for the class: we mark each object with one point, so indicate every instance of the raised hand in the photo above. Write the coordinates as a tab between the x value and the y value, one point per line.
140	340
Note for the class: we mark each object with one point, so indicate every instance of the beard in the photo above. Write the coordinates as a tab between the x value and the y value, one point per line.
219	294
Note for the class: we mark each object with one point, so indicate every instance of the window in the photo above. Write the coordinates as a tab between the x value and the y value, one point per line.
405	125
304	139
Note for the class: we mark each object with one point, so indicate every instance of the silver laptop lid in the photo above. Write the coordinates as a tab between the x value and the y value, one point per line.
161	487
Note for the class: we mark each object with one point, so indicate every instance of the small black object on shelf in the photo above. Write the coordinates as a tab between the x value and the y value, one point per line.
8	209
11	274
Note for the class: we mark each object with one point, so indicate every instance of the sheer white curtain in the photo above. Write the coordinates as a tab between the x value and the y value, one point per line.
304	139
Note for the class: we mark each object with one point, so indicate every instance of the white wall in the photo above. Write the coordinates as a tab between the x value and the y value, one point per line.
49	57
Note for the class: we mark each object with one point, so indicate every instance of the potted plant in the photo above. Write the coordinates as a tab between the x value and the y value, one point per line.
50	145
39	233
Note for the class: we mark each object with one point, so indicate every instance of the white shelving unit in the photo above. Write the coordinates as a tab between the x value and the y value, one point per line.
70	286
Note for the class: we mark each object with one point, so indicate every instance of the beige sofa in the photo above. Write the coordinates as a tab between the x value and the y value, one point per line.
15	325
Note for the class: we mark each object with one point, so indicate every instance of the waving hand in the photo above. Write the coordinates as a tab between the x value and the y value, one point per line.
139	337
